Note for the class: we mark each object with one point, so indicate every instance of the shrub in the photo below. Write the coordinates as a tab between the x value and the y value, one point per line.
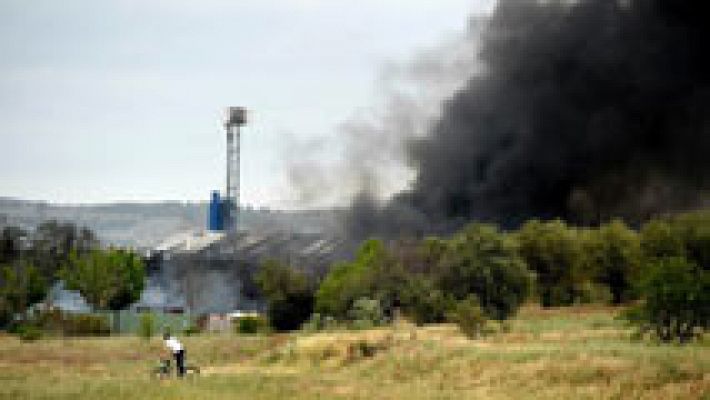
68	324
614	259
676	298
85	325
590	292
366	276
29	333
424	303
318	322
469	317
250	325
693	229
21	285
146	325
683	235
288	294
553	251
366	313
50	320
658	240
482	261
192	329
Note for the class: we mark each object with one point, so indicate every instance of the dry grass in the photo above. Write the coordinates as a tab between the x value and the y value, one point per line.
575	353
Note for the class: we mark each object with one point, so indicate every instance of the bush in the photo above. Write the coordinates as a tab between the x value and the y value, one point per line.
21	285
68	324
614	259
192	329
318	322
85	325
146	325
693	229
590	292
683	235
288	294
469	317
482	261
553	251
250	325
369	275
424	303
676	298
366	313
29	333
658	240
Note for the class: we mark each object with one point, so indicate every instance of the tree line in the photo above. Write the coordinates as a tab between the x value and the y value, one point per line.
662	269
31	262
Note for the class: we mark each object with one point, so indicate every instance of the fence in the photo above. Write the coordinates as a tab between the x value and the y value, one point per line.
128	321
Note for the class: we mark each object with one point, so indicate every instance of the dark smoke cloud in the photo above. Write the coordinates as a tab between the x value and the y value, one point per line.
585	110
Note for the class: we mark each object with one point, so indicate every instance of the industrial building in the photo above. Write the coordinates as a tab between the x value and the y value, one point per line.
212	270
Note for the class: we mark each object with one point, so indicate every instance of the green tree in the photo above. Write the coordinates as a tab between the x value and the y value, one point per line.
21	285
613	254
676	298
693	229
553	251
658	240
288	294
482	261
52	244
108	279
469	317
373	274
424	303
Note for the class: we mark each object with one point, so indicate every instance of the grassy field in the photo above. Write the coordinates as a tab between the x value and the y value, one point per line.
576	353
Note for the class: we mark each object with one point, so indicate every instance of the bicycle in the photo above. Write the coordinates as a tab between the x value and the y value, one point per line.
165	368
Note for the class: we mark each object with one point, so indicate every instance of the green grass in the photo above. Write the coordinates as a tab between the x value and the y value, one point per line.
575	353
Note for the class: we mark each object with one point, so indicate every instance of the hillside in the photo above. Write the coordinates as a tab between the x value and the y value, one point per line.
148	224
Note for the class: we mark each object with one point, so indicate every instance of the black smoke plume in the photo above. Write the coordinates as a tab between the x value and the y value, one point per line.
584	110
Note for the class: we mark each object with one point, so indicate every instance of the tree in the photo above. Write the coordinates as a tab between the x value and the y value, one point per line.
288	294
53	243
424	303
349	281
12	244
693	229
676	298
469	316
553	252
108	279
614	258
482	261
374	274
658	240
21	285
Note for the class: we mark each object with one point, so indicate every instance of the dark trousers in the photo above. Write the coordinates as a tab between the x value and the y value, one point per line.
180	362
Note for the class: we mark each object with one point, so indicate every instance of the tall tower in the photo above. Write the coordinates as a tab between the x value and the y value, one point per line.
236	118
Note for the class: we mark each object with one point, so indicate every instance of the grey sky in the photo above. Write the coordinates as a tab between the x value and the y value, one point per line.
120	100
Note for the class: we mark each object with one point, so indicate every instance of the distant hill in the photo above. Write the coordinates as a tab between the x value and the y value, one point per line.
147	224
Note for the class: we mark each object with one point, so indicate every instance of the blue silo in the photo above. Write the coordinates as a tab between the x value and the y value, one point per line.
216	220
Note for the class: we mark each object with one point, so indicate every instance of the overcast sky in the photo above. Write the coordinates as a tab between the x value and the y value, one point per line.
105	101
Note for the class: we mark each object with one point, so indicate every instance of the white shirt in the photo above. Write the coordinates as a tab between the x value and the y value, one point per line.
173	344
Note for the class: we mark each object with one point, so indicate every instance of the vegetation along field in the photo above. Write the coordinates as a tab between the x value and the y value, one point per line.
575	352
